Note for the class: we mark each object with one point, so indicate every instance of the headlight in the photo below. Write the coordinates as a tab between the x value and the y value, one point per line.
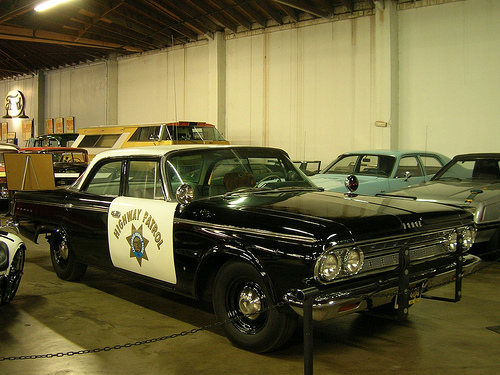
328	266
353	261
452	241
468	237
343	262
4	256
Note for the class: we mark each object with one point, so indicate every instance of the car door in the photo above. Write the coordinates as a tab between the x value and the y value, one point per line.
86	211
140	224
408	172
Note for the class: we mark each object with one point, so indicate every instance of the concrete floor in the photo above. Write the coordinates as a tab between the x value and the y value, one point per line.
50	316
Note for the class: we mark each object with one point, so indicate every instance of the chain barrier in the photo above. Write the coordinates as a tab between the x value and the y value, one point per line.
218	324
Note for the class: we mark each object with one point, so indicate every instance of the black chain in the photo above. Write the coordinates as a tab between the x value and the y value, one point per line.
138	343
208	327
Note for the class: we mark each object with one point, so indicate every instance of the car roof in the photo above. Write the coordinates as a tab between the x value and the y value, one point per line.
390	152
8	147
51	149
163	150
478	155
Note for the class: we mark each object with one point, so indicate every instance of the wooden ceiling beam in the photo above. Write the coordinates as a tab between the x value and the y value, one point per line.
215	15
304	7
42	36
349	4
274	14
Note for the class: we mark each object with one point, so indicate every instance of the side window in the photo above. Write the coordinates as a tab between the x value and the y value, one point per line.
431	164
106	180
408	164
144	180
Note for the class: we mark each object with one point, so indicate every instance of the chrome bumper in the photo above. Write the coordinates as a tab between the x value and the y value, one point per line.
329	305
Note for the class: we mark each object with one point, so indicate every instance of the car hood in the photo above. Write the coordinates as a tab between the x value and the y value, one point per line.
319	215
451	192
335	182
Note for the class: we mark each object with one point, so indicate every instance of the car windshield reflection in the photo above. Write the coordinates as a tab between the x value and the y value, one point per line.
218	172
470	170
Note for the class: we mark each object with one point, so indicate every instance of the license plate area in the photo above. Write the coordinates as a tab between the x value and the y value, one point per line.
414	295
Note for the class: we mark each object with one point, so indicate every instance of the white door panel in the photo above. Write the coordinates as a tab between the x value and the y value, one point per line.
140	235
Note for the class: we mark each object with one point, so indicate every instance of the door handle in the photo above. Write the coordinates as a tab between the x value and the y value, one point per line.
68	206
116	214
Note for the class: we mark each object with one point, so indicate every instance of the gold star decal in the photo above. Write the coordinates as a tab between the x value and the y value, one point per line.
137	245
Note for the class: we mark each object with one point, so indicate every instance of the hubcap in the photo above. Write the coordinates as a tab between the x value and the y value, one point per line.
63	250
250	302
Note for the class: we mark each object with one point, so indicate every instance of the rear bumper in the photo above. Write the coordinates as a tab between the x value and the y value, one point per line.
335	303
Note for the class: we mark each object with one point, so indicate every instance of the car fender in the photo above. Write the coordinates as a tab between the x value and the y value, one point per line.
48	228
214	259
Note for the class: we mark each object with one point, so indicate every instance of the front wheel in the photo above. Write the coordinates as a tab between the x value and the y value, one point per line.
13	279
63	259
240	294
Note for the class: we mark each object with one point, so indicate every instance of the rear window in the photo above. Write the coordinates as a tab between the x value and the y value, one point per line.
98	140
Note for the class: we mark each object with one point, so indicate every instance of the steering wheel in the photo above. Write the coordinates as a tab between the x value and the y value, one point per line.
77	160
262	181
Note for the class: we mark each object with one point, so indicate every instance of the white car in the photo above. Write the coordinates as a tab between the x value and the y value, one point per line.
12	256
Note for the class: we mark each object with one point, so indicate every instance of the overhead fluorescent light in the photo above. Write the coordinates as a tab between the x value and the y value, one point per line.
49	4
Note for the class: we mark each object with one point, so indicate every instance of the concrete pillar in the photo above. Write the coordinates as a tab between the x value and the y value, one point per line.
217	82
386	77
112	90
39	103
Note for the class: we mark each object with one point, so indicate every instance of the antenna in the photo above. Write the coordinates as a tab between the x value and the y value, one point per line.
175	98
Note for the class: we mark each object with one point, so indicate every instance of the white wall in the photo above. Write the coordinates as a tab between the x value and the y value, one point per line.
165	86
79	92
307	90
315	89
450	77
28	86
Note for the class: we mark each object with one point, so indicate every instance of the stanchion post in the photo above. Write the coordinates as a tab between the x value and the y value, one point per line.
307	296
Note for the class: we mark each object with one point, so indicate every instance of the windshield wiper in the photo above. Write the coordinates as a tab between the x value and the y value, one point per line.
263	190
448	178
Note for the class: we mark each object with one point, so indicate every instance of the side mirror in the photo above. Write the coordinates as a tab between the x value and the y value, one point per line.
407	175
185	194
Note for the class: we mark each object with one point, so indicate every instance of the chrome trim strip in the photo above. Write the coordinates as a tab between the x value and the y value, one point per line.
63	205
260	232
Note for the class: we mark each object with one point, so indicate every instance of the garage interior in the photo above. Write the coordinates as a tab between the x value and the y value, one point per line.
418	74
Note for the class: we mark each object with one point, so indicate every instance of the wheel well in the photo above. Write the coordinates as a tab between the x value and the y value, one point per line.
211	265
205	277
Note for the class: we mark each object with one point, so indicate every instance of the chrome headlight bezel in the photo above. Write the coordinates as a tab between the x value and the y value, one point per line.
468	236
323	271
452	241
334	264
354	259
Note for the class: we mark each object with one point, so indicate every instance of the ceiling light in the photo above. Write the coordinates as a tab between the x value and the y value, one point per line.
49	4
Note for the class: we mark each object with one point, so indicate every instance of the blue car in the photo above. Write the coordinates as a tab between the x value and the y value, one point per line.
380	171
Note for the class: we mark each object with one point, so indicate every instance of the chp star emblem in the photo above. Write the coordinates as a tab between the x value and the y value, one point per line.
138	245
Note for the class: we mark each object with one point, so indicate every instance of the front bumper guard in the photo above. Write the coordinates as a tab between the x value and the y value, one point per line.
329	304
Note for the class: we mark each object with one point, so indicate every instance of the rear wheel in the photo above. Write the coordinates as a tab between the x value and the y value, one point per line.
14	277
63	259
240	294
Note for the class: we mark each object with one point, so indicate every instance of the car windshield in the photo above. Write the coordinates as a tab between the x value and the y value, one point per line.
370	165
69	157
219	171
470	170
